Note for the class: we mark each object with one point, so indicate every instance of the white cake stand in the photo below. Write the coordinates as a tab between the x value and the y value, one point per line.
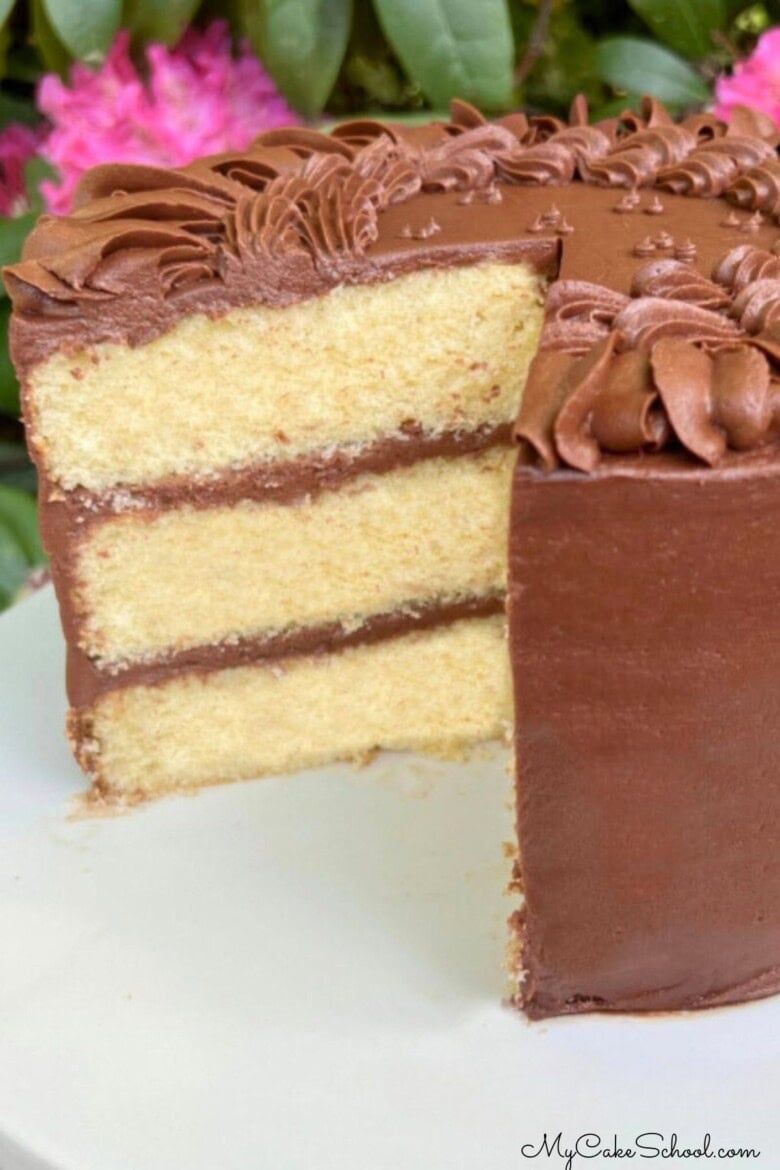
305	974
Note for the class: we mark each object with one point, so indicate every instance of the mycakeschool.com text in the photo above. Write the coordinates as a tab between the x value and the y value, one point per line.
569	1151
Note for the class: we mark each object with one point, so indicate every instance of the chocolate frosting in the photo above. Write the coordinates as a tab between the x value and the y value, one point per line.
301	212
688	362
646	660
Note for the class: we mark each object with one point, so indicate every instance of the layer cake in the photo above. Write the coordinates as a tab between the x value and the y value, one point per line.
300	415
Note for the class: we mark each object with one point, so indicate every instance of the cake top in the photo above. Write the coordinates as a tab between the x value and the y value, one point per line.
685	361
662	314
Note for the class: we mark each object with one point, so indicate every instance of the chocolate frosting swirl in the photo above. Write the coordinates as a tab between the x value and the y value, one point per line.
644	321
637	160
678	281
615	401
757	189
466	161
578	314
686	363
179	233
757	305
710	169
744	264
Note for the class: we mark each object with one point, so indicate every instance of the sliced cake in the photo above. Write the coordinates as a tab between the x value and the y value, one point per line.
271	400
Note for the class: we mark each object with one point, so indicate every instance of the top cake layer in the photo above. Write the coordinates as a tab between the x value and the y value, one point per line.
303	212
160	296
161	291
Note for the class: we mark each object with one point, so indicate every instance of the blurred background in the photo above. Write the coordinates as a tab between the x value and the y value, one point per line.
163	81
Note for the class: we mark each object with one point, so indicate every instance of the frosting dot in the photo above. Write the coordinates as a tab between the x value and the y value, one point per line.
664	240
645	247
420	233
686	251
629	202
656	207
427	230
752	225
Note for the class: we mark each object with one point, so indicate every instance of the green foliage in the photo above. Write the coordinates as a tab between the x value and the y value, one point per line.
16	470
54	57
453	48
20	544
13	233
18	517
85	28
623	60
9	387
303	42
687	26
402	59
354	55
153	20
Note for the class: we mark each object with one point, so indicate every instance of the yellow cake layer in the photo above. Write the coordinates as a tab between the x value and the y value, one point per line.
435	530
430	691
445	349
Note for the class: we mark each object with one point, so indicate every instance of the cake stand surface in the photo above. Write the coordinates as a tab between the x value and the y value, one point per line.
305	974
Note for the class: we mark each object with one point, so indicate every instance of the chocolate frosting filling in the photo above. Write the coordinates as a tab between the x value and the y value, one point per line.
86	682
66	521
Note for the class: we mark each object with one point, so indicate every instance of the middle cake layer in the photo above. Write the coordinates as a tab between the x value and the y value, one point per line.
433	531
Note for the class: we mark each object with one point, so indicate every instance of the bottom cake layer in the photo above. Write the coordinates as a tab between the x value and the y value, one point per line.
437	690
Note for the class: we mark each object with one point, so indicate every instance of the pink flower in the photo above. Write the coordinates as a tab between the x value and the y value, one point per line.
198	99
755	81
17	145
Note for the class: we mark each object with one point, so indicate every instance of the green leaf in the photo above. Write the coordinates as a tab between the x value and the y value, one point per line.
453	48
14	109
685	25
13	233
565	65
302	43
19	517
617	106
16	470
634	65
24	65
20	542
13	566
85	27
153	20
53	53
9	387
36	170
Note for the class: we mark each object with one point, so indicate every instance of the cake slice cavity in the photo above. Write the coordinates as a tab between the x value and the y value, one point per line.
437	351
